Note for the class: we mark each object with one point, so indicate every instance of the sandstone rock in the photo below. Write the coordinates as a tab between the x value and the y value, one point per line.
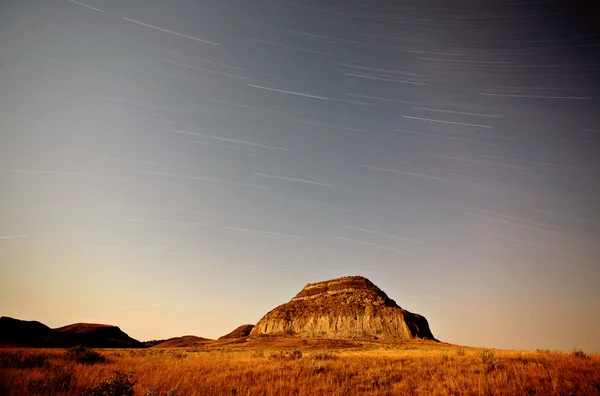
344	308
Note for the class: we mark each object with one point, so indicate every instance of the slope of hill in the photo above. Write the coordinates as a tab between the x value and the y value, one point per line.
181	342
242	331
36	334
344	308
24	332
95	335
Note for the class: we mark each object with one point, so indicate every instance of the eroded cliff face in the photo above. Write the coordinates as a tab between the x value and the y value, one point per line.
349	308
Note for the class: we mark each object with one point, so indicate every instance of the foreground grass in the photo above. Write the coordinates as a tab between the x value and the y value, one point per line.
261	369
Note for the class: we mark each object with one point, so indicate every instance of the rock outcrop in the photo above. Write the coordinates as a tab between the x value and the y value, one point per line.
345	308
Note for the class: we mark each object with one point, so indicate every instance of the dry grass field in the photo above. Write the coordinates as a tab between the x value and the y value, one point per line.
297	367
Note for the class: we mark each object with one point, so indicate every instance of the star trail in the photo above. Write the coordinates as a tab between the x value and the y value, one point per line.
197	162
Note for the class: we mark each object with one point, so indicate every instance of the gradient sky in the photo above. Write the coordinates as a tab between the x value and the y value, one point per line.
182	167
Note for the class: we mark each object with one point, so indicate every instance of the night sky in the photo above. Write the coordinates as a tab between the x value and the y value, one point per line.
182	167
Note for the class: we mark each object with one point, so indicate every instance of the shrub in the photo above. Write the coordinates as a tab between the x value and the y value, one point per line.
579	353
488	359
85	355
296	354
120	384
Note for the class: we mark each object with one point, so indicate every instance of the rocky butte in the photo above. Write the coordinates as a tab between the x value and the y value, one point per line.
351	307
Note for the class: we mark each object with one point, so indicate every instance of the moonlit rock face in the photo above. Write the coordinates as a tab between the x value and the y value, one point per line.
344	308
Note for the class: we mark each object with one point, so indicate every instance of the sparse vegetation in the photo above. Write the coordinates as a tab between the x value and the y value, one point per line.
579	353
286	355
178	354
324	355
120	384
85	355
155	391
298	368
489	360
57	380
19	360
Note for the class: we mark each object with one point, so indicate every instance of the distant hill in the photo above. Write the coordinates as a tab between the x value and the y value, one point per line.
242	331
24	332
36	334
179	342
96	336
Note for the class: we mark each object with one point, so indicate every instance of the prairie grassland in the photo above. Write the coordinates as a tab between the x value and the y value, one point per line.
283	368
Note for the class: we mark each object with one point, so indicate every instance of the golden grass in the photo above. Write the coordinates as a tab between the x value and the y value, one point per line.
321	367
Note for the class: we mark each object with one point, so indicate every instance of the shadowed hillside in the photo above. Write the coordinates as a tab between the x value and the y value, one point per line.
35	334
24	332
239	332
179	342
96	336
